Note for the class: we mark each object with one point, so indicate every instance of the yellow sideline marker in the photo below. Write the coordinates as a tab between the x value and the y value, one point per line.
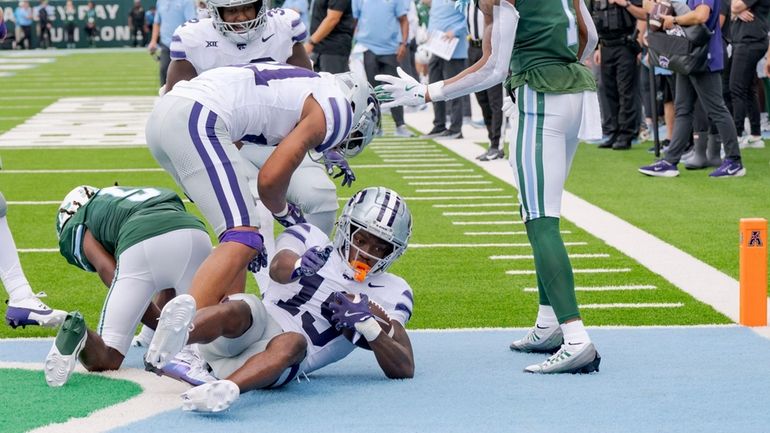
753	260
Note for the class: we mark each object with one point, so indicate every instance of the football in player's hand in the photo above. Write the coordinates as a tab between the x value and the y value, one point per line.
659	8
379	314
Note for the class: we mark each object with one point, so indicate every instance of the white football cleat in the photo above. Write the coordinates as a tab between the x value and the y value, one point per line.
172	331
33	311
63	356
540	340
210	397
582	358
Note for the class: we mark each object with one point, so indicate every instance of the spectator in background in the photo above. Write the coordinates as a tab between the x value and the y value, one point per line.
749	41
169	15
149	19
90	28
491	99
444	18
23	16
407	64
44	15
331	35
615	22
3	28
706	86
302	7
136	24
383	29
70	14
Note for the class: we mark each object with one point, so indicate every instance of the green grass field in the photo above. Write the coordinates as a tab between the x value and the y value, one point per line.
454	287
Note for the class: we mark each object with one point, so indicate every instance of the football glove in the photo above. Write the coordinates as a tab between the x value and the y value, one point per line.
401	90
346	313
332	159
290	216
509	107
311	262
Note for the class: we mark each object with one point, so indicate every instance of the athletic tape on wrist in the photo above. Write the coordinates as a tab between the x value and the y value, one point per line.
369	329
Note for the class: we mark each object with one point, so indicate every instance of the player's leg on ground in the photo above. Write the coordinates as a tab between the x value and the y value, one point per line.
24	307
265	369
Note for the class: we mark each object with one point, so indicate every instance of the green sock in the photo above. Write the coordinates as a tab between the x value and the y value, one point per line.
554	271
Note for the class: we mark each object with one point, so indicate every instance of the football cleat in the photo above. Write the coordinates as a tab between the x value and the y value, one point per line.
187	366
211	397
32	311
63	355
171	333
579	359
540	340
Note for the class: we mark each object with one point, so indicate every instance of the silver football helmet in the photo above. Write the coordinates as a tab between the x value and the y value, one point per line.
366	112
73	201
380	212
239	32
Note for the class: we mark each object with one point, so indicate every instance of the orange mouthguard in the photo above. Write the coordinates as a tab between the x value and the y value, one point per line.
361	269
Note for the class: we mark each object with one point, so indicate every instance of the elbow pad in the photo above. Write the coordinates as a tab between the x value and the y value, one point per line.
495	69
593	37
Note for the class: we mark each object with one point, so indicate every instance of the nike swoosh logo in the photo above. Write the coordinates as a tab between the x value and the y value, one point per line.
353	314
264	39
541	327
575	344
408	88
374	286
732	171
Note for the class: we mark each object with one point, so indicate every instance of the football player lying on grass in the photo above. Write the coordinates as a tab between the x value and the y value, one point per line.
140	241
325	299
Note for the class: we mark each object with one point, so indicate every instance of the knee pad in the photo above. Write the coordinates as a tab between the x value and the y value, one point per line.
3	206
249	238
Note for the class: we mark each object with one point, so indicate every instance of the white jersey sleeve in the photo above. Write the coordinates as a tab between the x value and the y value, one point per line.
288	21
393	294
301	237
337	112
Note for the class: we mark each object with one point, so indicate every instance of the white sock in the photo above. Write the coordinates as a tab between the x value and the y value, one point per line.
546	317
12	276
575	333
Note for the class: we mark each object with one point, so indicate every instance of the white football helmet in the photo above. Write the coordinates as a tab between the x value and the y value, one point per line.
73	201
366	112
241	32
380	212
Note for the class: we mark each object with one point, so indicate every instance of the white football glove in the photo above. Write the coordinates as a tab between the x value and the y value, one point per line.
401	90
509	107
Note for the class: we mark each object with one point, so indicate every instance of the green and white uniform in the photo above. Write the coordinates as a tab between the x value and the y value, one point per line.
550	86
156	243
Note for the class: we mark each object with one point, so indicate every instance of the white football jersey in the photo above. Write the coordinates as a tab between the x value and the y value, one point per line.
303	306
201	44
262	102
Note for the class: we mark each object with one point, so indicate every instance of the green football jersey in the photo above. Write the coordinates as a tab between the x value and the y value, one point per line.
546	47
120	217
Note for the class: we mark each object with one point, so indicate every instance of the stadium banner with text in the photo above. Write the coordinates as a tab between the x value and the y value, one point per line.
111	22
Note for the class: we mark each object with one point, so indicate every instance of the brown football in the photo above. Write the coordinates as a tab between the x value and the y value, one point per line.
379	313
662	7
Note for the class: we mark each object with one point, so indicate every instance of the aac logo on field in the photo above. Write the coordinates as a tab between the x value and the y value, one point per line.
755	240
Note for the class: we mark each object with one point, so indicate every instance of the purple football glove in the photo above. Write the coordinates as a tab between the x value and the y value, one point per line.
258	262
332	159
292	216
311	262
346	313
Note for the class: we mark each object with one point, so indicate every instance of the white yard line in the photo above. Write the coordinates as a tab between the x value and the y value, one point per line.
460	205
485	223
530	256
439	198
38	250
574	270
513	233
83	170
517	245
441	170
493	212
441	190
641	305
468	176
409	161
605	288
441	164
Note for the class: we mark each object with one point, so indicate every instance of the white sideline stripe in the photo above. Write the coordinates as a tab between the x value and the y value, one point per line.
576	271
702	281
460	182
604	288
409	161
641	305
485	223
476	205
494	212
459	190
530	256
441	170
84	170
469	197
38	250
157	396
409	150
441	164
4	60
513	233
467	176
521	245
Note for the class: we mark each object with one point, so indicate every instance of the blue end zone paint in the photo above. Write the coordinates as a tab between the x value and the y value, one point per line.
664	379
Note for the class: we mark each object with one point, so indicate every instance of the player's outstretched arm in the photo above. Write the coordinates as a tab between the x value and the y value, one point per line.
288	266
394	354
275	174
100	259
179	70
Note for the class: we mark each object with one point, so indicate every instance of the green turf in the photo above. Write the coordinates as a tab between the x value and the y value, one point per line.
82	395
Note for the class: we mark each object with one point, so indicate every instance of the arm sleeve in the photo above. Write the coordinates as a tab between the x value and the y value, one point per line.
495	70
593	37
295	25
404	305
177	50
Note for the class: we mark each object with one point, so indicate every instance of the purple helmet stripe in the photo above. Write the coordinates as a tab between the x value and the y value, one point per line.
227	165
192	128
336	127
